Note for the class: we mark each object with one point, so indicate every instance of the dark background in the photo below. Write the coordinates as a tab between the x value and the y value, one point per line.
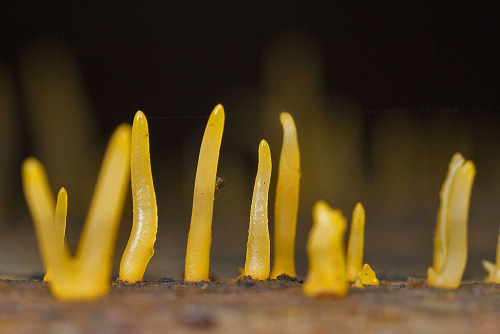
411	83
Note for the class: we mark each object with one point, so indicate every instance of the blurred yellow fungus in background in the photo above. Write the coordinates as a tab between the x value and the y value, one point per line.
139	248
450	239
356	243
492	268
367	276
200	230
325	248
257	264
287	200
87	275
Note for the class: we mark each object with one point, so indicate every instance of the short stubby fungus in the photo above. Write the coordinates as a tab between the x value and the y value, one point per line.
325	248
257	264
450	239
367	276
200	230
287	200
86	275
140	246
492	268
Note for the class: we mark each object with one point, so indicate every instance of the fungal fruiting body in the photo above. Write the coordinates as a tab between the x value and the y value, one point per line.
367	276
200	230
492	268
257	264
325	248
139	248
287	200
87	274
356	243
450	239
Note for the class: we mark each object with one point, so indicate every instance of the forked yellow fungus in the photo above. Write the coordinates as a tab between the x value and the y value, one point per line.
139	248
86	275
200	230
325	248
287	200
356	243
367	276
450	239
492	268
257	264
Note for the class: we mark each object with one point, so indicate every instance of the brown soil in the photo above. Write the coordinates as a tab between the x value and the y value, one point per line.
248	306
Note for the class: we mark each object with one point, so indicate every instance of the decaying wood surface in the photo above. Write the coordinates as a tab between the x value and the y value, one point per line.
247	306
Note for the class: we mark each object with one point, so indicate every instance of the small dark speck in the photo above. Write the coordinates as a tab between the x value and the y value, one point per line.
167	280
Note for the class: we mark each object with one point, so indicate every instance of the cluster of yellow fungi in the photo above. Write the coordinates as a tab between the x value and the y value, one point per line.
87	275
332	268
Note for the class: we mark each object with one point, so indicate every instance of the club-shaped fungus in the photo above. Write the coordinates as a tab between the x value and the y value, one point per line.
257	264
358	273
356	243
450	239
325	248
86	275
200	230
287	200
139	248
492	268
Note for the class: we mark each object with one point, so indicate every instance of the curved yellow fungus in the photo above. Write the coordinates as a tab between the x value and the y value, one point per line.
450	240
87	275
200	230
42	205
356	243
367	275
139	248
325	248
492	268
287	200
257	264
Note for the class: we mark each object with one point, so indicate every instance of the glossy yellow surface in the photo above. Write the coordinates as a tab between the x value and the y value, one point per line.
86	276
450	241
257	264
325	248
200	230
356	243
139	248
367	276
287	200
492	268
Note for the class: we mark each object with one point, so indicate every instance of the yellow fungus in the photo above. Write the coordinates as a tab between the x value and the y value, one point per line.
200	230
492	268
356	242
139	248
358	283
450	240
257	264
325	248
367	275
87	275
287	200
42	206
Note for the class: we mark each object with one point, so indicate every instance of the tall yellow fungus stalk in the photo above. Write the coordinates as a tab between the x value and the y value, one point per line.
287	200
356	243
87	275
139	248
257	264
492	268
200	230
325	247
450	239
